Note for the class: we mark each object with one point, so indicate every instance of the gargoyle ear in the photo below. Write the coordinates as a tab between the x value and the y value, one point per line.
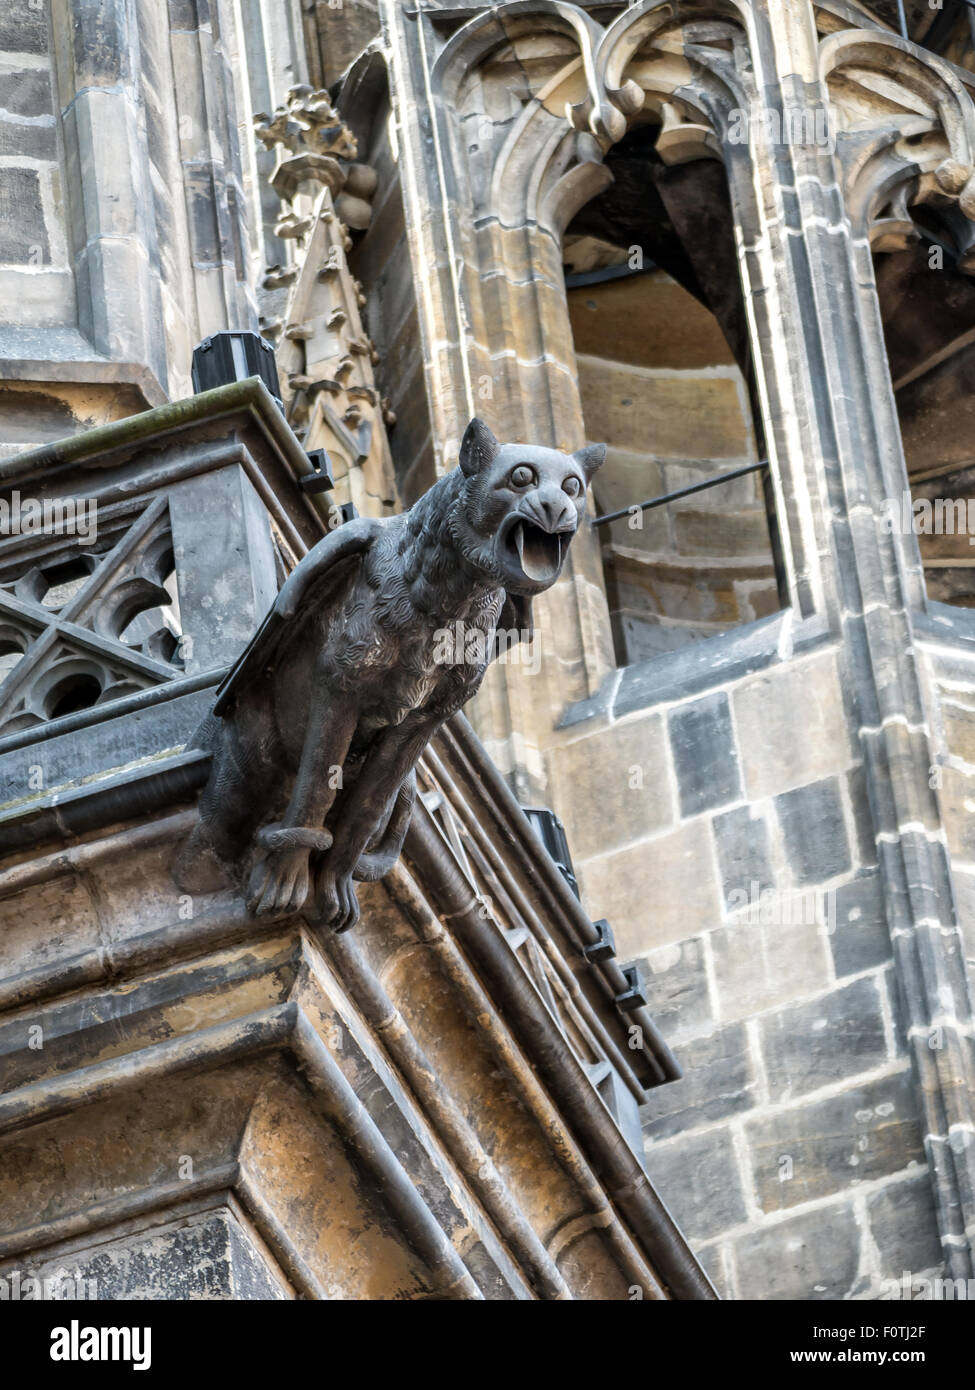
590	458
477	448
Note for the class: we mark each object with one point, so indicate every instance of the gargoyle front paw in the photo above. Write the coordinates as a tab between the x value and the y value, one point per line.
281	878
279	882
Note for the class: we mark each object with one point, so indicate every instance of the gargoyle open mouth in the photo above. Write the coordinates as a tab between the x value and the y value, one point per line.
537	553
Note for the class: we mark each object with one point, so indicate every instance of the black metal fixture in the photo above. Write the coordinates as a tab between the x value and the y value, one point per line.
605	947
636	996
348	511
227	357
768	494
691	488
551	832
321	479
579	279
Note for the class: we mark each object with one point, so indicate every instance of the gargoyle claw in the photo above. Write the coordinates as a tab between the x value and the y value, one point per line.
335	899
350	905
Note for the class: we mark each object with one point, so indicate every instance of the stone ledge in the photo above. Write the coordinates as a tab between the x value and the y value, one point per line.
697	667
127	793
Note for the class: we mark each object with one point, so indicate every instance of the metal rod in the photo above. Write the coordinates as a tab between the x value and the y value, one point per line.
680	492
902	19
608	272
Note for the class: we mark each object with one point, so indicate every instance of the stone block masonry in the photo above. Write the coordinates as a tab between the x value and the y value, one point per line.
752	904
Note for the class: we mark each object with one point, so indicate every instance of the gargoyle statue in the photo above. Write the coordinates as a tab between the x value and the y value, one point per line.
317	729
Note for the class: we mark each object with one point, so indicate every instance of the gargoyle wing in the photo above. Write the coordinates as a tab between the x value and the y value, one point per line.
346	543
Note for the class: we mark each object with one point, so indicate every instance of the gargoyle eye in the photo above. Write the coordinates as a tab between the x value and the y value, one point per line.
572	486
522	476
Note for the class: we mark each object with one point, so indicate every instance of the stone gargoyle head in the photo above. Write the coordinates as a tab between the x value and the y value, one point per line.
519	507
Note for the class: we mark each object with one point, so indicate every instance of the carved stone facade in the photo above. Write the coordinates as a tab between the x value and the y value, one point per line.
720	236
443	1104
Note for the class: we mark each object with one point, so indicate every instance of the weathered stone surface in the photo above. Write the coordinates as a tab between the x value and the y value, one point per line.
684	419
101	55
628	478
864	843
70	925
705	756
705	532
209	1256
791	725
957	797
462	278
35	141
718	1082
725	499
904	1227
226	613
692	669
23	28
959	726
189	15
23	234
824	1040
696	594
815	1255
657	891
860	938
742	843
964	885
113	743
624	771
759	964
678	993
715	1259
603	327
814	831
27	92
699	1173
863	1133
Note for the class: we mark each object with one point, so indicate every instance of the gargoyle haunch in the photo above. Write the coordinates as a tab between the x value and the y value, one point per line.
317	729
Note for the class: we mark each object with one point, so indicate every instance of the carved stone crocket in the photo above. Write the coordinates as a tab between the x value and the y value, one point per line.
316	731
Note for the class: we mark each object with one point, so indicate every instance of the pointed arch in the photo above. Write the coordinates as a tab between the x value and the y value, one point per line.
932	139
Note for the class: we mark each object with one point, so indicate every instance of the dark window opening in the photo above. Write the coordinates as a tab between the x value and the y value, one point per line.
74	693
665	373
60	583
11	651
924	268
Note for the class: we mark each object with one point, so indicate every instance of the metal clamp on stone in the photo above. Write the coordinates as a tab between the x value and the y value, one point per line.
605	947
551	832
636	996
321	479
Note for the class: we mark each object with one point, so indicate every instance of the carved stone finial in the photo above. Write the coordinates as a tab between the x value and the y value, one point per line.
318	148
382	632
